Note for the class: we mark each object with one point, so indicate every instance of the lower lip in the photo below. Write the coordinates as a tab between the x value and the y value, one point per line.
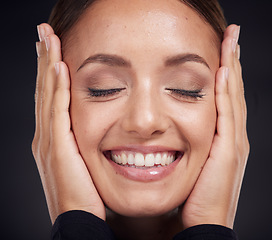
145	175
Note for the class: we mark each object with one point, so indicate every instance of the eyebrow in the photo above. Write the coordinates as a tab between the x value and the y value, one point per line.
117	61
107	59
183	58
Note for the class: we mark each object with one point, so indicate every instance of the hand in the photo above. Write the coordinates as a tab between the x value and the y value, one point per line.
215	195
66	181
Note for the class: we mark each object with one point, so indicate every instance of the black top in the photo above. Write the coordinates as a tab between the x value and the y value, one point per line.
80	225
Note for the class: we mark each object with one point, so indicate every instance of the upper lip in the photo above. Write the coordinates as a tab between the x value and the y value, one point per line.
144	149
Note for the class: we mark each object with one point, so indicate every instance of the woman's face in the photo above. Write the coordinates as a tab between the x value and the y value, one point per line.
142	101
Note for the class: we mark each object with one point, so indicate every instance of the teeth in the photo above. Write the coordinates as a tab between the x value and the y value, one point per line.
123	159
149	160
163	160
119	160
130	159
158	158
140	160
167	162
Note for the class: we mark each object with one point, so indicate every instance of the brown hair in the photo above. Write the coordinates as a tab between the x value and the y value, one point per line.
66	13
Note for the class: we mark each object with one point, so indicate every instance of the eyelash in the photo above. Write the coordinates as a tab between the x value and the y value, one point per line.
104	92
195	94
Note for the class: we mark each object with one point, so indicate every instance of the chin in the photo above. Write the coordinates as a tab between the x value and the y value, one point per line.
145	205
144	191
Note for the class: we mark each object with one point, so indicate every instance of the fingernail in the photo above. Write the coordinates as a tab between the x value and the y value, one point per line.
38	48
226	73
234	45
41	33
57	68
47	43
237	33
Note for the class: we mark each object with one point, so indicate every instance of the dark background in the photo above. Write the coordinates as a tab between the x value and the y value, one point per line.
23	208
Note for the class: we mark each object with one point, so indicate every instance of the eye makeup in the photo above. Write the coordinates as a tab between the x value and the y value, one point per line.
104	92
193	94
188	82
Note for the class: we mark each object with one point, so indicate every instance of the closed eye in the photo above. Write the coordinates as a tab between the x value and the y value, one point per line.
194	94
93	92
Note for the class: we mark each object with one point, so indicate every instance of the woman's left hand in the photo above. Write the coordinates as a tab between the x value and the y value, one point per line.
215	196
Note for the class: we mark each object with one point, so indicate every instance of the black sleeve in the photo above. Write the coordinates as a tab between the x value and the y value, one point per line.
207	232
80	225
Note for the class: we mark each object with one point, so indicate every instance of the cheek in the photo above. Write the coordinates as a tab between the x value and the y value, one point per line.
90	123
196	125
202	126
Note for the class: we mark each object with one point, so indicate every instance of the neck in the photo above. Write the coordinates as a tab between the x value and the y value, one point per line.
161	227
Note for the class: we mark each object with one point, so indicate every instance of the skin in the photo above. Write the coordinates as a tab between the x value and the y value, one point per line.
69	150
168	120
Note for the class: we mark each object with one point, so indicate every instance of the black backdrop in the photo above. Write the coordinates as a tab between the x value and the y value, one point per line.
23	208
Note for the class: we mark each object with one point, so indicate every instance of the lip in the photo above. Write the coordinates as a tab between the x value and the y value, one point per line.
144	149
144	174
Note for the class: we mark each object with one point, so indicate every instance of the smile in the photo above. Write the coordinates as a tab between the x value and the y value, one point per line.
140	160
143	167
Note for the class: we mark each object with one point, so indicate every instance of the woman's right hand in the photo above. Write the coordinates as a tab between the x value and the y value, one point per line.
66	181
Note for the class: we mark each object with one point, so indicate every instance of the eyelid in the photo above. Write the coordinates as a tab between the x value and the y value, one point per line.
95	92
195	94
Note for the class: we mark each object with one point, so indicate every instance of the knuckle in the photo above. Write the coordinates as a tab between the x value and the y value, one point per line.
54	111
43	96
49	61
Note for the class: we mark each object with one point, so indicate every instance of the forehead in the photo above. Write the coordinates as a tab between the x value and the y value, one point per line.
155	26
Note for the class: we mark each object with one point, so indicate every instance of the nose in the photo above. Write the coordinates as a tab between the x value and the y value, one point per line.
145	115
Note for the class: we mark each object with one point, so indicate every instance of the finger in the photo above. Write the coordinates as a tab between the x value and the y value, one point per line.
43	31
236	91
232	31
39	83
53	48
225	118
61	124
240	81
230	58
229	45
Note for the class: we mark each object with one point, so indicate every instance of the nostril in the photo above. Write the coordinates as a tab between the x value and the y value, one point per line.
145	119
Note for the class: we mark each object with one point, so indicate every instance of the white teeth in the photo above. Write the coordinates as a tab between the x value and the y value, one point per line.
123	159
130	159
163	159
158	158
140	160
117	158
149	160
